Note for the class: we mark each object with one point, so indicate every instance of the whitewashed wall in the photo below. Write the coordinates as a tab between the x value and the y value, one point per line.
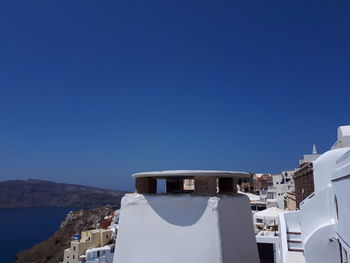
186	229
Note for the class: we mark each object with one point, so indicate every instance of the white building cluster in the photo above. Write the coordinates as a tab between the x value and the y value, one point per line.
320	227
211	221
94	246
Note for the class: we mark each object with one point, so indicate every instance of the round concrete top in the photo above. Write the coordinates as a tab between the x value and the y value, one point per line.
191	173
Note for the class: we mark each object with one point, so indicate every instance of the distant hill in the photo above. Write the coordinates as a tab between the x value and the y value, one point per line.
38	193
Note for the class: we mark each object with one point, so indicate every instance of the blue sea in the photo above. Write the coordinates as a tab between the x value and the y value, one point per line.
21	228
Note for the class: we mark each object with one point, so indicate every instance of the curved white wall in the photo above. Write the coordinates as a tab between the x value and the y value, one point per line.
325	166
319	248
343	137
318	213
186	229
341	186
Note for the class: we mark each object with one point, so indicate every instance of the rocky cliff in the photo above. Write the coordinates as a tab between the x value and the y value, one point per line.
51	250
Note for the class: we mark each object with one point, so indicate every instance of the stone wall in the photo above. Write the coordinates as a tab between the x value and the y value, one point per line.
304	183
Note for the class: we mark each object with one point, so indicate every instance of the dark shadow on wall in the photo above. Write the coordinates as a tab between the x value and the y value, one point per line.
179	210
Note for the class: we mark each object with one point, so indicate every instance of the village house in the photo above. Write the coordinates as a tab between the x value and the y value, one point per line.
89	239
255	183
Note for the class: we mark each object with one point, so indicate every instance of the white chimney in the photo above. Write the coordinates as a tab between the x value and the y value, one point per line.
209	224
343	139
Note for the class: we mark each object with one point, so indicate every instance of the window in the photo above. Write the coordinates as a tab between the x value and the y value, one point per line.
74	248
336	207
106	236
345	256
259	220
73	256
261	208
188	184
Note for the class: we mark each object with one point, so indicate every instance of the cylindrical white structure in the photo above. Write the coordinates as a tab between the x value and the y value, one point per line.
187	227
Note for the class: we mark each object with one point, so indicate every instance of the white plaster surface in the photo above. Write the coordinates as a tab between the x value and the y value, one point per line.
295	257
191	173
252	197
342	197
317	213
324	215
186	229
343	137
271	212
325	166
319	249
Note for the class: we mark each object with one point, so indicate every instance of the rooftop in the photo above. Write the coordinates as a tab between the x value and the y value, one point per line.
191	173
205	182
269	212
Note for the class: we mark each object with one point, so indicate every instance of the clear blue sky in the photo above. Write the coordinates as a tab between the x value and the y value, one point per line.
93	91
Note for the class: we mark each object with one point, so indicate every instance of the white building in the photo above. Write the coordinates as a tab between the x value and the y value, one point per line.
114	224
267	219
279	187
89	239
282	183
269	247
319	232
308	158
98	255
211	224
343	138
